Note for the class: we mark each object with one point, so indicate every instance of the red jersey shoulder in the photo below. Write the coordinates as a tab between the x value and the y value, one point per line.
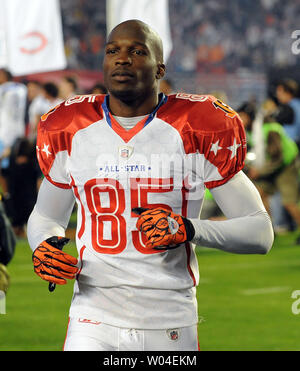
73	114
201	120
203	113
209	127
57	127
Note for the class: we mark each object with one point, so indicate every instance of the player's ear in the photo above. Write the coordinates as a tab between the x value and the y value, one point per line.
161	70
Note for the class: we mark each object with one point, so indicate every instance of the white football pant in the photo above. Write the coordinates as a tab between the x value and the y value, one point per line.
87	335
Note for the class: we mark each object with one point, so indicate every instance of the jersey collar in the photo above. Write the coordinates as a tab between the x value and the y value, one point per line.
126	135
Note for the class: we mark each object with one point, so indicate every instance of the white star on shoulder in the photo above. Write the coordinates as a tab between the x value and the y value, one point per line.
215	147
46	149
233	148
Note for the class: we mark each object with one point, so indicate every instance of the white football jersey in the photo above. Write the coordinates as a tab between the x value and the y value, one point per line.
166	160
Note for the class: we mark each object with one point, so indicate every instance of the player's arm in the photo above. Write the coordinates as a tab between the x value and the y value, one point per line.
48	220
248	229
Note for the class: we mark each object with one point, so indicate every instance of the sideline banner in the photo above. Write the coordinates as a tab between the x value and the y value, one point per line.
153	12
31	32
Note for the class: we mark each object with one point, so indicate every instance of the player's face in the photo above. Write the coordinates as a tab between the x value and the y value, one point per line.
130	65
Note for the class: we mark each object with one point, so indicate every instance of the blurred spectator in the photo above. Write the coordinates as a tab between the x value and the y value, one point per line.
22	173
98	88
7	237
286	93
12	118
247	114
7	248
12	109
47	99
279	171
284	114
4	279
22	179
67	87
33	91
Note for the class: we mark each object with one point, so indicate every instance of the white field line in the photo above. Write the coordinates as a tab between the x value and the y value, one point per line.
23	266
18	280
262	264
265	290
21	347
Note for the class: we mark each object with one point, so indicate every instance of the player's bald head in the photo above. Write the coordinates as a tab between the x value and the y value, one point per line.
141	30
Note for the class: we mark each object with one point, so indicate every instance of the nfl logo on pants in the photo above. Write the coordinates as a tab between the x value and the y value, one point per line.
173	334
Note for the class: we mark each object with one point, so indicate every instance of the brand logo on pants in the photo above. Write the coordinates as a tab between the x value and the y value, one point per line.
85	320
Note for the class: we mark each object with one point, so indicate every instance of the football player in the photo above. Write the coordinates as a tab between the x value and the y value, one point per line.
137	164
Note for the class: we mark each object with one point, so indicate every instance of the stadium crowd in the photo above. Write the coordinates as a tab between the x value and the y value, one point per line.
208	35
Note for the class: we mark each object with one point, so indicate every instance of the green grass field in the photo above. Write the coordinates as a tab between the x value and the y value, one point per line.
244	302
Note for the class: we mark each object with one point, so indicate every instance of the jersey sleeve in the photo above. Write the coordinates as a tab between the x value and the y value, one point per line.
225	153
54	145
218	134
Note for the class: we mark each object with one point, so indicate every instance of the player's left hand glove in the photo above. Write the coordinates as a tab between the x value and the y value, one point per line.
163	229
52	264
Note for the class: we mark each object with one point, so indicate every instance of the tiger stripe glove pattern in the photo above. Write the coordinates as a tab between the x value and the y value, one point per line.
52	264
163	229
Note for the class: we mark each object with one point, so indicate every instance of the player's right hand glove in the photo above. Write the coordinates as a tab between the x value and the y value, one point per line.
164	229
52	264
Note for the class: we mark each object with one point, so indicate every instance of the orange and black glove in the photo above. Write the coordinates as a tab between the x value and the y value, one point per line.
163	229
52	264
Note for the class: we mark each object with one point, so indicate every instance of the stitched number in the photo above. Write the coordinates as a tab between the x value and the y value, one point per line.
224	107
106	202
139	189
192	97
80	99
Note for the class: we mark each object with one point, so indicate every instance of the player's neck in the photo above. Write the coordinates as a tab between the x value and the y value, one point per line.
137	107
